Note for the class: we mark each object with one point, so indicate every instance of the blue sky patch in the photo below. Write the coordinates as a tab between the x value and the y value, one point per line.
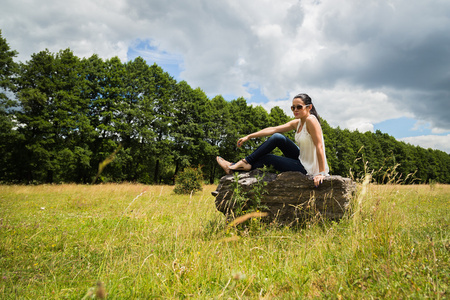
405	127
257	96
170	62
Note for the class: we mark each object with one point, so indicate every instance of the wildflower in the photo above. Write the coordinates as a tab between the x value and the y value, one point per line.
182	270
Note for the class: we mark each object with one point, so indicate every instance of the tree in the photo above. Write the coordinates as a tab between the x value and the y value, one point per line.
162	98
220	133
9	137
36	94
53	115
242	116
8	68
140	103
277	117
191	116
73	131
61	116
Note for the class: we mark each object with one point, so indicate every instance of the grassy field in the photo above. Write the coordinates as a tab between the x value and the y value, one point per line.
131	241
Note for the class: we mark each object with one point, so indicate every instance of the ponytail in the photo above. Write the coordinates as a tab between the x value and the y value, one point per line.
308	101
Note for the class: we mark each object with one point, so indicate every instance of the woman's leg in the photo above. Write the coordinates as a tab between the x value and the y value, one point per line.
280	163
277	140
262	157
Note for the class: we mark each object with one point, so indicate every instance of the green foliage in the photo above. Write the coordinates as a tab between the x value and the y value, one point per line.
9	138
61	116
7	67
189	181
250	201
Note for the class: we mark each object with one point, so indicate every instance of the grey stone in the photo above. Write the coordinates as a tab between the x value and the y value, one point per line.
288	196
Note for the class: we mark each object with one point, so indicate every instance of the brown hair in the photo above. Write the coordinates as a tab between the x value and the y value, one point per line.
308	101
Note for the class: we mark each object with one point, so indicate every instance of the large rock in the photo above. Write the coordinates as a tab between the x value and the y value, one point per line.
289	196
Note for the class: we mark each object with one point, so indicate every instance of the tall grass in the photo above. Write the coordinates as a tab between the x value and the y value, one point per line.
131	241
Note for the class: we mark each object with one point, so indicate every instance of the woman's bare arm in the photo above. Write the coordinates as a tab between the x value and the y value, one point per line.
291	125
314	129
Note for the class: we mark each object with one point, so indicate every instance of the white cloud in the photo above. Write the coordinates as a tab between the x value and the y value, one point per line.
151	53
441	142
364	127
346	107
86	27
361	62
438	130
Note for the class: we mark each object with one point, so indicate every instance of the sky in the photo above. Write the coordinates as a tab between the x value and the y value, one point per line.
368	65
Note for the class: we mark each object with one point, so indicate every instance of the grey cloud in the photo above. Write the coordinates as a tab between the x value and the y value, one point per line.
400	49
294	18
428	106
211	36
383	45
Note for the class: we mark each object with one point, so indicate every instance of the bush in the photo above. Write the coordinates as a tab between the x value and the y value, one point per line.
189	180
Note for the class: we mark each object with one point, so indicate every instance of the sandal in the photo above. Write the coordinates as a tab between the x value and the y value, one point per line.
245	167
224	164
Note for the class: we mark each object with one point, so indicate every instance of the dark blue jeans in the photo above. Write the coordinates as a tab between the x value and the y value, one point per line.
289	162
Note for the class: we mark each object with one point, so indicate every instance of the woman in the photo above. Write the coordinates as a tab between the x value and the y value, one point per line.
308	157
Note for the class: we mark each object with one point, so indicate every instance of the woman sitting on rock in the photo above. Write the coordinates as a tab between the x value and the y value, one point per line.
308	157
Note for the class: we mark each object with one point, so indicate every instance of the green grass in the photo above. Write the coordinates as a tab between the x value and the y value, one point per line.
140	242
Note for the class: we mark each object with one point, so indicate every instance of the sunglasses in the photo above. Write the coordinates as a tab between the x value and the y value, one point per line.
299	106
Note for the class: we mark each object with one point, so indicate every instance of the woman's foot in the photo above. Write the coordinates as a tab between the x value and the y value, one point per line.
224	164
241	165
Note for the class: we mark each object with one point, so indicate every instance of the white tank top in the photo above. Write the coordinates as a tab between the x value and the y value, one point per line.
308	153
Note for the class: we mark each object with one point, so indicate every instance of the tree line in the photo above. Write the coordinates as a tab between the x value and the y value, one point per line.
61	116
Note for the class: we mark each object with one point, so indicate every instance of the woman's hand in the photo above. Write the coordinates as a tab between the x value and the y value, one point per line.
318	179
241	141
